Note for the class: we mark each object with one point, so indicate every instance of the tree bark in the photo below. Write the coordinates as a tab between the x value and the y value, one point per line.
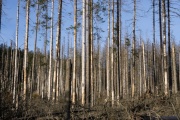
68	89
174	85
16	58
34	71
108	54
26	49
87	56
91	52
74	60
169	47
144	68
133	51
164	48
51	53
83	52
112	56
154	48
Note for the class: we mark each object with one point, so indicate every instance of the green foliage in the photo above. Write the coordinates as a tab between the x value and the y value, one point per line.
127	42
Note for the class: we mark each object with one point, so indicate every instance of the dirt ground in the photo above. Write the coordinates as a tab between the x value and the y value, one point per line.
144	108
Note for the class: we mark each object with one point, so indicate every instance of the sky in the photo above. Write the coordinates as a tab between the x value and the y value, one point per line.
144	22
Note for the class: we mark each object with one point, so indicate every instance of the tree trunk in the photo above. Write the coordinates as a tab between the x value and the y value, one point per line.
26	49
169	47
51	53
164	48
133	50
33	81
91	52
68	89
87	56
144	68
108	56
83	52
112	56
0	13
161	44
16	58
174	85
74	60
57	61
118	54
99	69
154	48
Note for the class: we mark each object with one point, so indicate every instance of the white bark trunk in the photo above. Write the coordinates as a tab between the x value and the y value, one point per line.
112	56
164	47
74	60
108	51
26	49
83	51
51	53
174	83
16	57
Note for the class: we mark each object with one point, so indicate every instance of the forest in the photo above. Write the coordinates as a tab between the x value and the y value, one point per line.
98	67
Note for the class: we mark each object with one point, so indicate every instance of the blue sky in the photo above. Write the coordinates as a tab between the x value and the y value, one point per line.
144	22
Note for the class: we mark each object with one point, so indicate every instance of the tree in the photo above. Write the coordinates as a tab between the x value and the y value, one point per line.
144	68
83	51
112	55
169	45
154	42
74	60
133	50
108	54
0	13
91	52
87	65
160	30
16	58
26	48
51	52
118	56
57	61
35	47
174	84
164	47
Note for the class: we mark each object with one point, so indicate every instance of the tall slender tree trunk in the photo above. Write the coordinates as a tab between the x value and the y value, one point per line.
99	69
118	54
74	60
91	52
108	56
164	48
87	55
112	55
51	53
44	85
161	44
68	89
144	68
57	61
83	52
174	82
179	70
169	46
154	48
26	49
120	58
0	13
133	51
33	81
16	59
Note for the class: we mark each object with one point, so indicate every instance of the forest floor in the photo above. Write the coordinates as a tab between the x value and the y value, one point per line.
148	107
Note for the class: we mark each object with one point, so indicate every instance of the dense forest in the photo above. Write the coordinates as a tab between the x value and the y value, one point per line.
119	76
